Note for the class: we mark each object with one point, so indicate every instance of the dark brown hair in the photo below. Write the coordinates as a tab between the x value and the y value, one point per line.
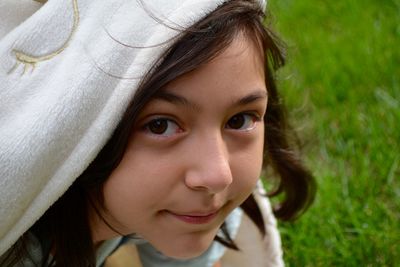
66	222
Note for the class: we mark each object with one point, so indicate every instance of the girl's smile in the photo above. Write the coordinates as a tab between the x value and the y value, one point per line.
194	155
195	217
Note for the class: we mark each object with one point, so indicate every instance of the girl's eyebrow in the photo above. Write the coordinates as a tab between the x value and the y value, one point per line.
173	98
252	97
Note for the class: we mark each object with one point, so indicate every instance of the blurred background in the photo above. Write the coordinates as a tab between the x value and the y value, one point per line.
342	88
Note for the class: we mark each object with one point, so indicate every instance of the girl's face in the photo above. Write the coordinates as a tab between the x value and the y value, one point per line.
195	154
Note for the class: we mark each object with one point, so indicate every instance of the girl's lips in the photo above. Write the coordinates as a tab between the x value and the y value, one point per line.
195	219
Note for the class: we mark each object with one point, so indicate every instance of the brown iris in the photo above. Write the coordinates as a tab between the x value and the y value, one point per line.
237	121
158	126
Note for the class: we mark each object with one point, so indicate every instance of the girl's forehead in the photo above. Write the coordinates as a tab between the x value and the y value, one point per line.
237	72
240	55
243	42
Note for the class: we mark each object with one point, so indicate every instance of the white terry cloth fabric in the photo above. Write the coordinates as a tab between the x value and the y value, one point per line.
60	99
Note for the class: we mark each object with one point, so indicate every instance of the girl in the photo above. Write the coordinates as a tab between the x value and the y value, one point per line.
141	122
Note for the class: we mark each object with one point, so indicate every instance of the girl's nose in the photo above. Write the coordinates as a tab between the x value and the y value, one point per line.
209	169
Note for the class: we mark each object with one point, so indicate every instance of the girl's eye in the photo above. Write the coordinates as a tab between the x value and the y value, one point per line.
242	122
162	127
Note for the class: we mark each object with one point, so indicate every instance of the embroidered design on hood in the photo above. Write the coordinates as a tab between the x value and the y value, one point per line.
29	60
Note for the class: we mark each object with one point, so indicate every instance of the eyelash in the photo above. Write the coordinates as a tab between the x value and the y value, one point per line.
159	122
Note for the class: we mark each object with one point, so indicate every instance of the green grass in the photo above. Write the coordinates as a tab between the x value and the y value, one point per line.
342	87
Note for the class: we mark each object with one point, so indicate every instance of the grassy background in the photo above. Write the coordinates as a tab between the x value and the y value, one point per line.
342	87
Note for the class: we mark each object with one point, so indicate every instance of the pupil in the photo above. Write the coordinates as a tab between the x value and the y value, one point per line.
158	126
236	122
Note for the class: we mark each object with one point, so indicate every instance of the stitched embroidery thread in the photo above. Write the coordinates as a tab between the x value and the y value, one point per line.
30	60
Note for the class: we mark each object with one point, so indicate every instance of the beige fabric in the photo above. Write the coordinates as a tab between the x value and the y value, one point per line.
126	255
256	251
